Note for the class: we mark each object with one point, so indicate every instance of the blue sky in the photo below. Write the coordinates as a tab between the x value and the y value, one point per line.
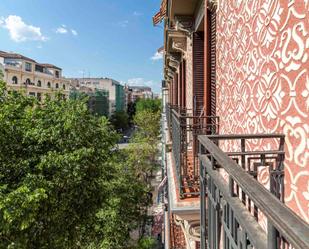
100	38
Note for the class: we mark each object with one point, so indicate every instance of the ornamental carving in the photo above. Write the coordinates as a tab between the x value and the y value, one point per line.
184	23
180	44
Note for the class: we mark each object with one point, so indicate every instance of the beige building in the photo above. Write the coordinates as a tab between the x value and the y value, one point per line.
36	79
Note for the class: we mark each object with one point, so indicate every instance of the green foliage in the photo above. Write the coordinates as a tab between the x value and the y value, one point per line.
120	120
148	124
152	105
146	243
1	74
62	184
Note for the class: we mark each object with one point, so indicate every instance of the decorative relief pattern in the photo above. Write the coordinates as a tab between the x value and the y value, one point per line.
263	81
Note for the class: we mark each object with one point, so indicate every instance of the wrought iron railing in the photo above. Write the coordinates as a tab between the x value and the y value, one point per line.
185	129
168	111
241	212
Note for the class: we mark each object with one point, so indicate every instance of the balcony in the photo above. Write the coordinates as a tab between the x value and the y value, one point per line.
185	127
239	209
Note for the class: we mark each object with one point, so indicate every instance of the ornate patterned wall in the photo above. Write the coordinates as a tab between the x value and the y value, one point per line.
263	80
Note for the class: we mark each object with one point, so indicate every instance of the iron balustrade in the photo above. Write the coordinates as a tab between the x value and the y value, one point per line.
234	207
185	129
169	115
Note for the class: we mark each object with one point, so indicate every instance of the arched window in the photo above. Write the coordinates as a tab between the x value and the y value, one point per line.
63	86
15	80
48	84
57	85
39	83
28	82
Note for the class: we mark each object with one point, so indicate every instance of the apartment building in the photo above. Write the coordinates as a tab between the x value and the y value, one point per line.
35	79
97	99
134	93
235	124
114	88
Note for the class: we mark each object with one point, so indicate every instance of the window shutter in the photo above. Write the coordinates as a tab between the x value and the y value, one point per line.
180	89
175	87
198	72
212	44
183	77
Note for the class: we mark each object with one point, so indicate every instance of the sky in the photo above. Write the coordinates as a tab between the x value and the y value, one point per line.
96	38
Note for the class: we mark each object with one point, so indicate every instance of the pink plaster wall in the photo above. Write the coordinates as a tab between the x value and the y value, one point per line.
263	80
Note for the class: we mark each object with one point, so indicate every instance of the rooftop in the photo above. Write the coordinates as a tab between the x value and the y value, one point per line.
11	55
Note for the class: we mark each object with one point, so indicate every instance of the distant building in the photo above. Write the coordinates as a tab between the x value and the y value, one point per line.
115	89
98	99
134	93
36	79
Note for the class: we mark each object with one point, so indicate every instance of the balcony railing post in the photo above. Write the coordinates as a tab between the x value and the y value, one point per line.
203	205
271	236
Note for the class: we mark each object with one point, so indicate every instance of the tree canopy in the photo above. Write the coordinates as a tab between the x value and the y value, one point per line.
63	184
153	105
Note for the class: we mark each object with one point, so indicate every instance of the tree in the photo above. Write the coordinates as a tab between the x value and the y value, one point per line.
59	178
152	105
120	120
148	124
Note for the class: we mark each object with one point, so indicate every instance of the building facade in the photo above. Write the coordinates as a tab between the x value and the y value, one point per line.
133	93
98	99
235	125
35	79
114	88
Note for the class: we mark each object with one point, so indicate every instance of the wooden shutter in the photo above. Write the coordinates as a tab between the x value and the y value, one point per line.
175	89
212	57
183	77
198	72
180	86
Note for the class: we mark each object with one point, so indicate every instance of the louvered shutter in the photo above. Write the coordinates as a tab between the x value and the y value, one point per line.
180	86
198	72
212	25
183	83
175	89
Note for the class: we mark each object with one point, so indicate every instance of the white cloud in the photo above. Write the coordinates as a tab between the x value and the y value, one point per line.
123	24
136	13
20	31
74	32
157	56
62	30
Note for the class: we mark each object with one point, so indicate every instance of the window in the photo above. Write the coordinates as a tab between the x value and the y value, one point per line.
39	83
48	84
57	74
32	94
28	82
28	67
57	85
15	80
63	86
